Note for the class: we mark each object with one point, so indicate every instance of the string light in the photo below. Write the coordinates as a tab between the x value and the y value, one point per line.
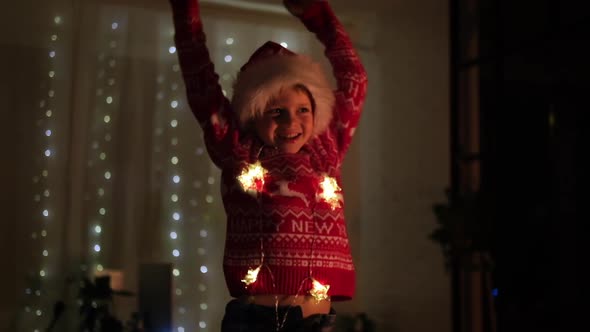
319	291
251	276
329	188
252	177
43	194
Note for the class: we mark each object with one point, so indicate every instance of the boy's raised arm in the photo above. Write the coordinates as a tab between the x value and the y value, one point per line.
204	93
318	17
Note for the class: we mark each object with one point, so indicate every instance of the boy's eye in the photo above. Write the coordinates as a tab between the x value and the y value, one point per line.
303	110
274	111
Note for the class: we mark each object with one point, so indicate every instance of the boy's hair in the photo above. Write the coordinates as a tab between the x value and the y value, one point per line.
272	69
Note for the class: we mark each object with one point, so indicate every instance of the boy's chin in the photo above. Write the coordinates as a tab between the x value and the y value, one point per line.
289	149
293	147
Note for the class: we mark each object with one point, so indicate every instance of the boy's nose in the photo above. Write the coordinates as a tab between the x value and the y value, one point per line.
287	118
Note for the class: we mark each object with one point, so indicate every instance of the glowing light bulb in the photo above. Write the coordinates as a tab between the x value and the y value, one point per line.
228	58
172	50
329	188
285	45
252	178
251	276
229	41
319	291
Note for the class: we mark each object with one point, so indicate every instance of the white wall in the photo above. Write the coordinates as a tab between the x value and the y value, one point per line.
403	152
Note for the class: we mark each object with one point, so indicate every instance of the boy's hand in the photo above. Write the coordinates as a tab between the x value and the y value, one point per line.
298	7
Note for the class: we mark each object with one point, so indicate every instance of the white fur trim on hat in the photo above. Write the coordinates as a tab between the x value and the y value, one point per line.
260	81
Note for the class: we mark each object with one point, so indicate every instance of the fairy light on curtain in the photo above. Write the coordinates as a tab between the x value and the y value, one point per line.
37	303
100	153
168	176
186	178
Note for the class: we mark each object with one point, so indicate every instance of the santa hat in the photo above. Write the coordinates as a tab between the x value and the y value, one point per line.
273	68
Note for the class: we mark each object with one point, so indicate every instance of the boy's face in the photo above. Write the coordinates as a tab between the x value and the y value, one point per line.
287	122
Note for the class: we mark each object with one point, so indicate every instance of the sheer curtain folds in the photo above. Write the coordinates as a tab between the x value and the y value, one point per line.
107	168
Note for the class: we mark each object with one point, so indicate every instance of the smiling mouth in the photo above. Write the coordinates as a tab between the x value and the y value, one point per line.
289	137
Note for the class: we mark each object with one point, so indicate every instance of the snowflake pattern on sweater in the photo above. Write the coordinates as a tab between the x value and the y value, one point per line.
298	232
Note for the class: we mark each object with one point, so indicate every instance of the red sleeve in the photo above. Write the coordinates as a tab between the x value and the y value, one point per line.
348	70
204	94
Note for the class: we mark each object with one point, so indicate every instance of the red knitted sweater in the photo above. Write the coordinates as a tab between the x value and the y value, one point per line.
287	219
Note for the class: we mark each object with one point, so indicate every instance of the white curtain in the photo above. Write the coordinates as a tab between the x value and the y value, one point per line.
104	166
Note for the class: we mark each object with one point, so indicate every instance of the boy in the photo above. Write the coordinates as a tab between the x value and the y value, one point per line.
280	143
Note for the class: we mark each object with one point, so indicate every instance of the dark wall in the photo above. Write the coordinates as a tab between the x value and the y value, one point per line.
533	100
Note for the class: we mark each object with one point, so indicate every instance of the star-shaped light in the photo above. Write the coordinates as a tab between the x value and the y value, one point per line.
319	291
329	189
252	177
251	276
